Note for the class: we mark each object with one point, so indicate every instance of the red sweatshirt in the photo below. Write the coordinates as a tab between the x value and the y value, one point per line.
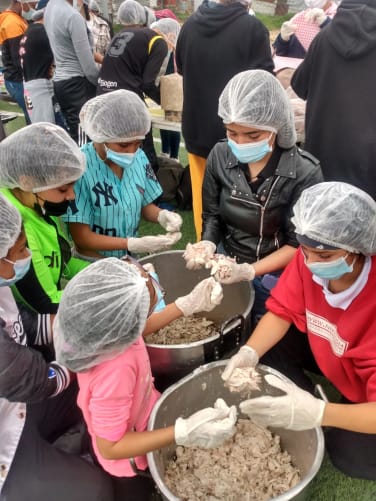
343	342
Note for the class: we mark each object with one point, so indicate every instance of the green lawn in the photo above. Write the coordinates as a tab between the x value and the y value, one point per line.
329	484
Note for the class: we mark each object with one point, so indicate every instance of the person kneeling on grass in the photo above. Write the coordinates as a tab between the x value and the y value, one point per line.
328	292
99	329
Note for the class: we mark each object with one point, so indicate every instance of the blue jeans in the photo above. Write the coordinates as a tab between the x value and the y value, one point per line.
16	91
263	285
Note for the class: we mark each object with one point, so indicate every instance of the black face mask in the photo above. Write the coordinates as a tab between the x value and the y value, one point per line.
53	208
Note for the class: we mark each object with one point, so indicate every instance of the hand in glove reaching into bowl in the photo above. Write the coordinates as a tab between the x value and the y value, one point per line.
296	410
227	271
208	427
204	297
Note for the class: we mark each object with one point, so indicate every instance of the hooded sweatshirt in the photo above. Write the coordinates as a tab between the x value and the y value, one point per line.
338	80
214	44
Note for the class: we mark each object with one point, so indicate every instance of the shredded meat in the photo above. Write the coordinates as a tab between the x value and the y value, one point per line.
249	467
244	381
183	330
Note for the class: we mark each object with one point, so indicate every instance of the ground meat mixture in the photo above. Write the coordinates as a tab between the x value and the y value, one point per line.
248	467
183	330
244	381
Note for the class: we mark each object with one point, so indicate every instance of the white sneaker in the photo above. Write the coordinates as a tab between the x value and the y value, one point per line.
164	155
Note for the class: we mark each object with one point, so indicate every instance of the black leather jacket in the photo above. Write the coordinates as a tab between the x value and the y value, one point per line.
252	225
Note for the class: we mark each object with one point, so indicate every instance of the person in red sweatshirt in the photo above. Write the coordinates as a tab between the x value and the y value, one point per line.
328	292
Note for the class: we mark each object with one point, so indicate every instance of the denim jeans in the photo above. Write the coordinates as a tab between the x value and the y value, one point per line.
16	91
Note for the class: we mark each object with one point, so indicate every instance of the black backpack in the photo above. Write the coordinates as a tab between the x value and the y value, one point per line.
176	183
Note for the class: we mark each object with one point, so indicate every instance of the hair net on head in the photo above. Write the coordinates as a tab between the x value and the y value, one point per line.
337	214
115	117
150	16
103	310
169	28
40	157
131	12
255	98
93	6
10	225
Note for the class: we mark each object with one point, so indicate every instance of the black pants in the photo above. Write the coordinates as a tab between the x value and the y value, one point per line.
139	488
41	472
149	150
352	453
72	94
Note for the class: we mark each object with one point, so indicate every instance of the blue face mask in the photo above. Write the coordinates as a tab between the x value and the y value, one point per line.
332	270
123	160
21	267
250	153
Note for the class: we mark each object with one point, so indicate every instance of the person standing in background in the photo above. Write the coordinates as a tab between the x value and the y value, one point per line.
76	72
12	28
216	42
133	62
337	79
297	34
37	63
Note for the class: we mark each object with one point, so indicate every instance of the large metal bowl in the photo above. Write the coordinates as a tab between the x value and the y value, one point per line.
200	389
169	363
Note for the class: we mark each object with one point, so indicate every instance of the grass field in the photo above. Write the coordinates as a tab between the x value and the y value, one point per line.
329	484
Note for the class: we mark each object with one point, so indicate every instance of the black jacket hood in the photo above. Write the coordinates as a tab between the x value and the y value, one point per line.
211	19
352	31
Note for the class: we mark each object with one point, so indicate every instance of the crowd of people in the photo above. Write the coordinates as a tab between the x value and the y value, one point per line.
295	219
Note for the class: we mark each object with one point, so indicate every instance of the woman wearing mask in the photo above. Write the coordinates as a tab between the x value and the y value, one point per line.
297	34
38	167
37	398
328	292
119	186
251	184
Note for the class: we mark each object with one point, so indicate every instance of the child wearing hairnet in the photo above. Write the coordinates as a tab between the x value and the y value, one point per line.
328	293
37	399
251	184
119	186
99	328
38	166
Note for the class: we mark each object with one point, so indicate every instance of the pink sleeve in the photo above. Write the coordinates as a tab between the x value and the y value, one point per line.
111	400
287	297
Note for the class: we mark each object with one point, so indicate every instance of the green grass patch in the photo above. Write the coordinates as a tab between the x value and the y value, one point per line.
273	22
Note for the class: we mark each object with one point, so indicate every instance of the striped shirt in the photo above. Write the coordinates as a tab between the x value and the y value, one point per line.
109	205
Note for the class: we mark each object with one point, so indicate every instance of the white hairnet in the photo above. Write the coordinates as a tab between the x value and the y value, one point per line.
169	28
40	157
337	214
115	117
10	225
103	310
255	98
150	16
131	13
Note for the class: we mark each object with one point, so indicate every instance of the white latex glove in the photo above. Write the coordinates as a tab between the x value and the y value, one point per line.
246	357
208	427
287	29
297	410
227	271
315	16
170	221
153	243
204	297
197	255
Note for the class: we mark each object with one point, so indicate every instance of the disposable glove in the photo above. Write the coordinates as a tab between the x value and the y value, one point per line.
197	255
227	271
246	357
287	29
204	297
315	16
153	243
208	427
170	221
297	410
